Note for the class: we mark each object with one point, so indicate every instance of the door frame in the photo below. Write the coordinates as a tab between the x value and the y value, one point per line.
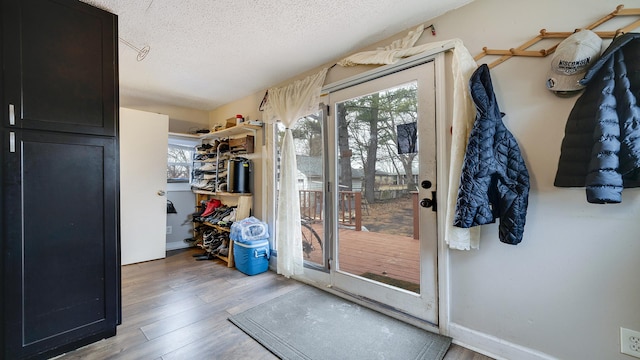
443	140
422	304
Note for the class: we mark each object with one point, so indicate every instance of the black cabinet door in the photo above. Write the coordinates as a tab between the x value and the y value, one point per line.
60	61
60	241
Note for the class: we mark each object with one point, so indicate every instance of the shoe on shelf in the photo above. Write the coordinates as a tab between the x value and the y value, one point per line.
203	184
231	217
204	157
204	257
207	167
223	145
223	248
204	148
212	205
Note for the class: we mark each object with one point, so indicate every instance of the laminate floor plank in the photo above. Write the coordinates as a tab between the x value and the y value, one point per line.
172	323
191	335
228	342
144	316
177	308
108	348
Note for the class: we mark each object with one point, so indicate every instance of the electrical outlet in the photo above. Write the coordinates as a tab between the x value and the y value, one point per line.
169	230
630	342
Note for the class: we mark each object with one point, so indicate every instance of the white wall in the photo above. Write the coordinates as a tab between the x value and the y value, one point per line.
181	226
181	119
573	281
565	291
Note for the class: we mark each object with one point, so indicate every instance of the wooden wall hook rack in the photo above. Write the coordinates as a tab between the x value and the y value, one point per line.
522	50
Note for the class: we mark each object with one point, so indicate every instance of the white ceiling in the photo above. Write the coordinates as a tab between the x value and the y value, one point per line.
206	53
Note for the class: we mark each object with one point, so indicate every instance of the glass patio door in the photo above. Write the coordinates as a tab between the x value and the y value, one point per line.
382	164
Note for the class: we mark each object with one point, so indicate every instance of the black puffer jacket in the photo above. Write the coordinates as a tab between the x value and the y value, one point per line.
495	181
601	146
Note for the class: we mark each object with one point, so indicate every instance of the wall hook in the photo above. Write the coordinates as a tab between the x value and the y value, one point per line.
433	29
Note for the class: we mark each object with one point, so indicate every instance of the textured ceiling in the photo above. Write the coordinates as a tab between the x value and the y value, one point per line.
206	53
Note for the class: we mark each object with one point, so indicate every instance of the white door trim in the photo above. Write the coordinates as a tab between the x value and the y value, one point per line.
443	141
442	170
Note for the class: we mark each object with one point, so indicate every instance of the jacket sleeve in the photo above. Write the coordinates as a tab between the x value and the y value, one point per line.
476	193
473	205
627	71
604	182
514	195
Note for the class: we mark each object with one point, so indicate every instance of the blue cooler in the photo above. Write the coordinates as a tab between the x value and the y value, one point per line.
251	257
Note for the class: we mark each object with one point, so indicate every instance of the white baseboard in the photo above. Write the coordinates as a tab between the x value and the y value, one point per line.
492	346
177	245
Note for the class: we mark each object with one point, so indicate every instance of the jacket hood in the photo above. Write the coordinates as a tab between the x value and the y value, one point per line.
482	90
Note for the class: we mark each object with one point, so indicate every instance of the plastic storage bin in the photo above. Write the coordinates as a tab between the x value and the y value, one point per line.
249	229
252	257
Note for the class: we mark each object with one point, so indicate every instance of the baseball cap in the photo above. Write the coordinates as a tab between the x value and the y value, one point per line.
571	60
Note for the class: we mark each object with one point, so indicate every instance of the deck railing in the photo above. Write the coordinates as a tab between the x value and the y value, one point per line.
349	207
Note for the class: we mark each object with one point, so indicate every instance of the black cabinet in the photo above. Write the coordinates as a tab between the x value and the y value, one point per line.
60	62
59	240
59	211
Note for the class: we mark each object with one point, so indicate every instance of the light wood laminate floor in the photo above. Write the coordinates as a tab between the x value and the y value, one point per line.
177	308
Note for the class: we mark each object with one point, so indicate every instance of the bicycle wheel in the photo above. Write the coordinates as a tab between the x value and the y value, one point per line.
311	243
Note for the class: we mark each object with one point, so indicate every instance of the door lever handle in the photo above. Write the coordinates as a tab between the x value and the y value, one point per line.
426	202
12	142
12	114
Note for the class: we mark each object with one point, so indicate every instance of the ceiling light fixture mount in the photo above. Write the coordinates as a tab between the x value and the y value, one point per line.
142	53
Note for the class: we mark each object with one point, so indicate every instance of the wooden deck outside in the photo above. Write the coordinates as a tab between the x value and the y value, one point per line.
393	256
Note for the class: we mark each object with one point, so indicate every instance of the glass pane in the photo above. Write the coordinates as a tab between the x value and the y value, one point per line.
378	169
177	173
178	163
307	135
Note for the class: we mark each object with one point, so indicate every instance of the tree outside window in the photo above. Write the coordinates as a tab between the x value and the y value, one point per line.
179	163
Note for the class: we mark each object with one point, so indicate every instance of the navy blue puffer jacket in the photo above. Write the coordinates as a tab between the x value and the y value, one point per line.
495	181
601	147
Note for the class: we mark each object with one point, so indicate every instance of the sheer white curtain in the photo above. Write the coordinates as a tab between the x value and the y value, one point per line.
288	104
